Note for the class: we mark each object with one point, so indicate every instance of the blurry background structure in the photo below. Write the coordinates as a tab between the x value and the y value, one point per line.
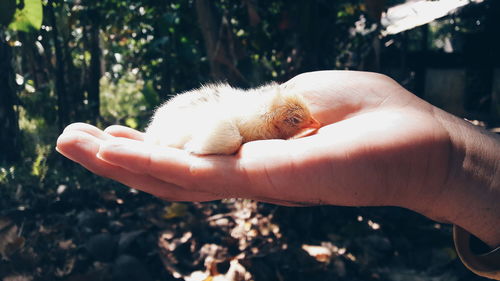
113	61
450	51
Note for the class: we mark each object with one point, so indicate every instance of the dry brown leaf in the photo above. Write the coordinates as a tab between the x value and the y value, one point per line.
66	244
10	241
320	253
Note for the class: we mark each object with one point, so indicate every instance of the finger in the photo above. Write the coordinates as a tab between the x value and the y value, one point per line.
327	94
87	128
337	95
82	147
268	170
215	173
124	132
260	170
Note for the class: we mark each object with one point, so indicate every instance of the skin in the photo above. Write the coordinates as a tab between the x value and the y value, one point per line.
379	145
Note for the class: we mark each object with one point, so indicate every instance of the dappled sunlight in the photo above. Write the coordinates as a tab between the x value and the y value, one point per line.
69	69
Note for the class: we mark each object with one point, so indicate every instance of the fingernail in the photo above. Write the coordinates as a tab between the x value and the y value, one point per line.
99	155
107	147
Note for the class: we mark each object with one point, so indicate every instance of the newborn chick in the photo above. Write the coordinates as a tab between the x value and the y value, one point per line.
217	119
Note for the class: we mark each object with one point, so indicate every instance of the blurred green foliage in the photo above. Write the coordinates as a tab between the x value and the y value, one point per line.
28	15
127	100
152	50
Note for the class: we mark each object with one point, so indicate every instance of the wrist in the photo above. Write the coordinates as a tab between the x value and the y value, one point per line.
470	194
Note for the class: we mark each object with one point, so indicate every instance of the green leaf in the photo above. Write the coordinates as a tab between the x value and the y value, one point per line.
29	17
7	12
175	210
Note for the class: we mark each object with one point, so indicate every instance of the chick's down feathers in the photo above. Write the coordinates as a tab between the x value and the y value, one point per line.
217	118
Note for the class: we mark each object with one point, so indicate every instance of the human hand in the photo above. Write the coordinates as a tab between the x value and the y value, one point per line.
375	134
380	145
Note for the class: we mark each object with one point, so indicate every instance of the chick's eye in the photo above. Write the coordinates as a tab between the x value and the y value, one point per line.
295	120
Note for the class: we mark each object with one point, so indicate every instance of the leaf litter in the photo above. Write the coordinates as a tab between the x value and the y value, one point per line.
106	232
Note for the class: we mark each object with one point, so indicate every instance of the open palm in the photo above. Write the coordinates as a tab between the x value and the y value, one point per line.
380	145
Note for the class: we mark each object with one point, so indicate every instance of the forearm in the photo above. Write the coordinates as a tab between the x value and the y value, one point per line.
470	197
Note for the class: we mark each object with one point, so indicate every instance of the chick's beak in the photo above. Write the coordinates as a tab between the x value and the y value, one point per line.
309	129
313	124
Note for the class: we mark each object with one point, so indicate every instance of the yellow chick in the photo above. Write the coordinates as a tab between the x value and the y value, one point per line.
218	119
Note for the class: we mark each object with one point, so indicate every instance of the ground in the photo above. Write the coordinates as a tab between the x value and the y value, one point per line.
82	227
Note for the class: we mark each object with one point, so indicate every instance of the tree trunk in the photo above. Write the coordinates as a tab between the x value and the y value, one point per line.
75	88
62	95
95	66
9	138
222	63
209	31
162	32
374	9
